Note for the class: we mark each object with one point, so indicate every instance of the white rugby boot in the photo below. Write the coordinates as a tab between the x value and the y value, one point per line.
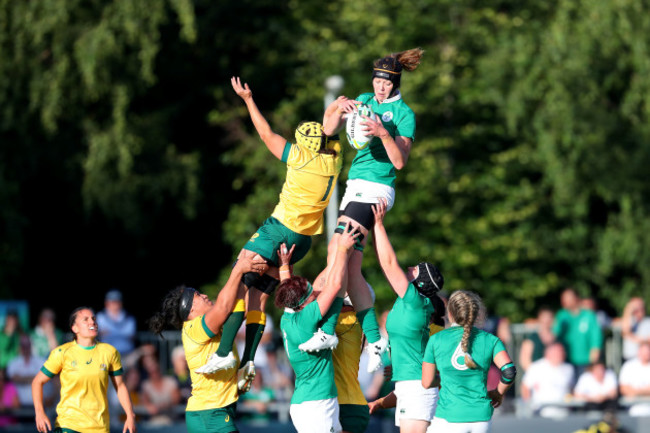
375	350
319	341
216	362
245	376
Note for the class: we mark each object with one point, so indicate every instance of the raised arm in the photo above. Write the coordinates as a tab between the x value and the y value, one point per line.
334	285
385	253
333	119
273	141
217	315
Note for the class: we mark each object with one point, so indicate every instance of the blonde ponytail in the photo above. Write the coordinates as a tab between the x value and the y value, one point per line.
465	307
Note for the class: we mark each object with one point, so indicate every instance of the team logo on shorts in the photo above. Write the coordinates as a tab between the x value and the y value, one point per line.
227	419
359	194
402	411
387	116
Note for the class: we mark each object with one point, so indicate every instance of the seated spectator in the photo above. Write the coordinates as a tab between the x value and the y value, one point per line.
635	327
181	373
45	336
22	370
116	326
578	331
10	338
598	387
160	394
255	403
8	400
533	346
634	380
548	382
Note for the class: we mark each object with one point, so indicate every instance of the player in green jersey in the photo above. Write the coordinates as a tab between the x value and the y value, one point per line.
84	367
314	406
408	329
463	354
372	176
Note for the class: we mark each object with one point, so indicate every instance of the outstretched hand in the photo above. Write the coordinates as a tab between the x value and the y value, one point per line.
285	255
349	237
244	91
252	264
379	210
346	105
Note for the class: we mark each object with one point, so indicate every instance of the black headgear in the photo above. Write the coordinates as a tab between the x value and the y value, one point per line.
429	280
388	68
187	299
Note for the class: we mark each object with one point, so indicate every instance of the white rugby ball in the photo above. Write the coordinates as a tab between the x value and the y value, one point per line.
354	129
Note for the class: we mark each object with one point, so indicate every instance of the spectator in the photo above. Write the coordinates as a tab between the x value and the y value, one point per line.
10	338
181	373
255	403
532	348
578	331
590	303
160	394
548	382
22	370
8	400
635	380
116	326
45	336
597	387
635	327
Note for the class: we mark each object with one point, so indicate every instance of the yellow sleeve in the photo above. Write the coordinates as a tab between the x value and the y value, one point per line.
54	363
198	331
115	368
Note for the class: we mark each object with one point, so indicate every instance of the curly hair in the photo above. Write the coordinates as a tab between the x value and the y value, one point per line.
465	308
168	315
409	59
290	291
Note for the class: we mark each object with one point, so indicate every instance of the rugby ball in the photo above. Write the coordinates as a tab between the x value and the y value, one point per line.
354	129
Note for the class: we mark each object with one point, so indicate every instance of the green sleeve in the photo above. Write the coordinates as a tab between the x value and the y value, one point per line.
285	152
429	354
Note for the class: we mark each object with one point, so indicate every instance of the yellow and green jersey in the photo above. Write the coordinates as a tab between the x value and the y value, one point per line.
209	391
308	187
346	359
83	372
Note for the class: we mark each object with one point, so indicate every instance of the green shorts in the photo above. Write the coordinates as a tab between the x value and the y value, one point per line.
354	417
64	430
267	240
221	420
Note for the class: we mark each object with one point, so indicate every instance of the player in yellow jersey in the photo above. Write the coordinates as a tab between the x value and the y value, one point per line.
84	367
211	406
313	165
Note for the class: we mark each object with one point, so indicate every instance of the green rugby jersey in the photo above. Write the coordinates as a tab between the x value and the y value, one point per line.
408	332
372	163
463	391
314	370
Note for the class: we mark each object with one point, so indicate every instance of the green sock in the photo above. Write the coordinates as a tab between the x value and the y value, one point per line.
229	332
368	320
255	323
328	322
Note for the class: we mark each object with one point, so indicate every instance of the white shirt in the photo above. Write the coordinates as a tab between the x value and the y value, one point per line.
548	383
588	385
636	375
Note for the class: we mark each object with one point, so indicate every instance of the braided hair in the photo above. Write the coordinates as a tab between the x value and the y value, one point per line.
465	308
169	313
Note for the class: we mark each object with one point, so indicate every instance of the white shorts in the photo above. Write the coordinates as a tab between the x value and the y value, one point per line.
365	191
415	401
439	425
318	416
